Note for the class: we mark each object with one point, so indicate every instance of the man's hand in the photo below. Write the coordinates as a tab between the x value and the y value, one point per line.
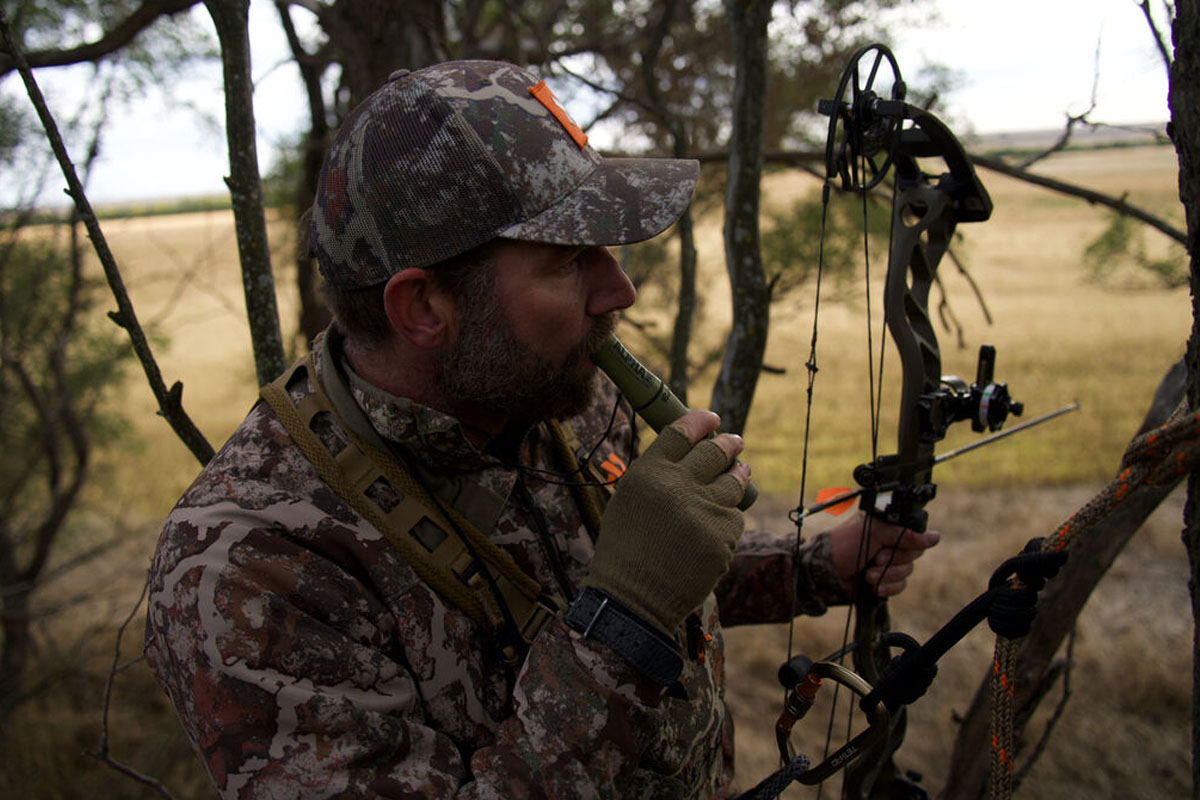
890	560
669	532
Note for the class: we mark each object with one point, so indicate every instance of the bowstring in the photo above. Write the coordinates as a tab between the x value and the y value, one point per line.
812	369
874	407
875	402
875	372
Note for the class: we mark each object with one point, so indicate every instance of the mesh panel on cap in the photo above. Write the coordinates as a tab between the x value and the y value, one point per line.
408	185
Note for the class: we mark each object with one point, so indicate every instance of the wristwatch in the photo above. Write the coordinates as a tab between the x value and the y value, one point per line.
597	615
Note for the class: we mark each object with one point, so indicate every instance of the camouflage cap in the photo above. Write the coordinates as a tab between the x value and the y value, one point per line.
445	158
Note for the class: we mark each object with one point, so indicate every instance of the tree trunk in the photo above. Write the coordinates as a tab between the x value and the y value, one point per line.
734	390
314	316
1059	606
245	187
15	626
1184	100
681	335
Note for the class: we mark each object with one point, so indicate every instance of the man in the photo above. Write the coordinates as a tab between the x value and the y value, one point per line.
404	575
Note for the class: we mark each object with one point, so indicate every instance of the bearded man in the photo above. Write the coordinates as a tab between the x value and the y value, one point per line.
420	567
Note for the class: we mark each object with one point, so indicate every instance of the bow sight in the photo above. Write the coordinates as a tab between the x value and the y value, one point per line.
985	403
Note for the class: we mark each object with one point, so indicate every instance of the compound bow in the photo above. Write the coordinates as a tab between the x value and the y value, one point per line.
871	136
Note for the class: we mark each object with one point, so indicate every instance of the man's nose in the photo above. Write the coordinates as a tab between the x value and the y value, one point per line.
609	288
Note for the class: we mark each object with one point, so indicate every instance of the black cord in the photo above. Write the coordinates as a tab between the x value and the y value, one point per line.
573	477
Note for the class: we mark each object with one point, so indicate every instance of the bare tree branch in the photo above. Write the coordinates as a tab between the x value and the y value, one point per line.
122	34
1159	42
1096	198
245	188
314	315
1061	668
681	333
798	158
101	753
1072	119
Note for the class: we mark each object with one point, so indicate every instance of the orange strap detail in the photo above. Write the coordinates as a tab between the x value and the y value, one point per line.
614	466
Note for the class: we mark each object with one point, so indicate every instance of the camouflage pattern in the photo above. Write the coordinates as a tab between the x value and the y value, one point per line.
306	659
448	157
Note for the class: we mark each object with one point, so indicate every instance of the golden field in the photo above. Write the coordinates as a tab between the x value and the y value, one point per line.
1059	338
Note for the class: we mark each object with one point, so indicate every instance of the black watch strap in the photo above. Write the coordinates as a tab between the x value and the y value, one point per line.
597	615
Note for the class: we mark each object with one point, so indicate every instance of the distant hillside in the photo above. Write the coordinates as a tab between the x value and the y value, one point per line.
1082	137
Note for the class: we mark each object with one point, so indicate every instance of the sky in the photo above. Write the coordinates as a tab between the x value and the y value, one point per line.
1019	65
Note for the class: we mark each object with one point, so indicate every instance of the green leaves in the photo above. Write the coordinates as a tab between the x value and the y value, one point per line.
791	244
1119	255
57	361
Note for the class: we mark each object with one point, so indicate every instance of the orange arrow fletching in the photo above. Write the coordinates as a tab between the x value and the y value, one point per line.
832	493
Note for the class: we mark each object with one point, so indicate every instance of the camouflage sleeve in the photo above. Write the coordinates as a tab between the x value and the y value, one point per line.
762	585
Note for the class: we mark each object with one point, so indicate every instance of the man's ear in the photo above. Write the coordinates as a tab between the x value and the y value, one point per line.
418	308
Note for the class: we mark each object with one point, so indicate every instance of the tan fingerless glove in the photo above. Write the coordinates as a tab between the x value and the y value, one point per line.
669	531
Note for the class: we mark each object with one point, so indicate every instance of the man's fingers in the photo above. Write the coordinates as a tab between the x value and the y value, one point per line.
677	439
884	537
728	489
741	471
697	424
892	563
891	588
904	538
888	574
891	555
713	456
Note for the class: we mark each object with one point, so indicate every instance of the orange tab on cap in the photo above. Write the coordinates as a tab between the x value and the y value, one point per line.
546	97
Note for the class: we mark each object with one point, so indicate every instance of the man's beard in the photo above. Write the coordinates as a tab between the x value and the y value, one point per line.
487	366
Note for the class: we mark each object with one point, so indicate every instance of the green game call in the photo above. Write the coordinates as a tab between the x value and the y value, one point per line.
650	397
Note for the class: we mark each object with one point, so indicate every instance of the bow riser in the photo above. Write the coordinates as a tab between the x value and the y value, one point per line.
917	250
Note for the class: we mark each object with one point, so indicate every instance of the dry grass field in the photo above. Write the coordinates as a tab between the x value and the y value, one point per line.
1125	732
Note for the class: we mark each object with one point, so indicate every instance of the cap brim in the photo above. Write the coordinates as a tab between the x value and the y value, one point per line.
624	200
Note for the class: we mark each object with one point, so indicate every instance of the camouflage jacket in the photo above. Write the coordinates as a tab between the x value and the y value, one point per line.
306	659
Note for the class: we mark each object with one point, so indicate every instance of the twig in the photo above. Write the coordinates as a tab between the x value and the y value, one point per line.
121	34
1157	35
947	315
169	401
1055	716
1072	119
101	751
963	271
801	157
